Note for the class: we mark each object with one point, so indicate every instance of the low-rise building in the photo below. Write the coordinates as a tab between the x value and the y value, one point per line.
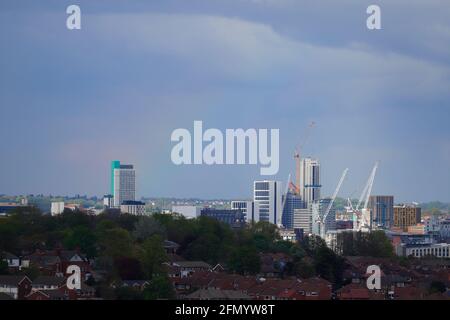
444	228
406	216
188	212
235	218
136	208
15	286
188	267
48	283
439	250
12	260
57	207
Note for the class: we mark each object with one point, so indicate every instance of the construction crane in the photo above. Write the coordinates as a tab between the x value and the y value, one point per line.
297	156
362	217
322	220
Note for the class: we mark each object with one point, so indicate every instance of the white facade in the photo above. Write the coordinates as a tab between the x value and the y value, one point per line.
267	195
440	250
12	291
12	261
189	212
303	219
248	208
124	184
288	235
108	201
136	208
431	224
57	208
310	180
444	228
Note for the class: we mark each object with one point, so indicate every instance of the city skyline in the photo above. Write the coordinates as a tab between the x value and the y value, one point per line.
72	108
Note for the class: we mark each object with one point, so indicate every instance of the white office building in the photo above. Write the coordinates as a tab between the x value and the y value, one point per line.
188	212
57	208
303	219
248	208
124	184
136	208
310	180
439	250
108	201
267	196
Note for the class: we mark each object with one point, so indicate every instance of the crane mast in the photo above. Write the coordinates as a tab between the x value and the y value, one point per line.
361	217
323	220
370	184
297	157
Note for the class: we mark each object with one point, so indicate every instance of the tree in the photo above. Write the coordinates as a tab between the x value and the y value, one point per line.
160	287
32	272
437	287
282	246
83	238
379	245
145	227
8	236
264	235
245	260
374	244
211	241
153	256
304	268
128	268
328	265
3	267
116	242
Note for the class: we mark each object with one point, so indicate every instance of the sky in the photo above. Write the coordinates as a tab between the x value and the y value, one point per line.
73	100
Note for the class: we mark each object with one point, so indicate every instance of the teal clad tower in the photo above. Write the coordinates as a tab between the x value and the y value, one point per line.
115	164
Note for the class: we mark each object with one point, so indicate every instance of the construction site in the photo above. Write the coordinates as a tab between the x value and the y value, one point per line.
304	208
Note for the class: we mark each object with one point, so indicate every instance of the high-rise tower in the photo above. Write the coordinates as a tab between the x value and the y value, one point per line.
123	182
267	197
310	180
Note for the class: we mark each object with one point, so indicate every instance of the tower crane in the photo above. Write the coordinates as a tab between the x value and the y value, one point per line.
297	157
363	216
322	220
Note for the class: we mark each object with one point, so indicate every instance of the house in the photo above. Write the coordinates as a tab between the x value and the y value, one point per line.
48	283
48	264
136	284
218	268
313	289
75	257
407	293
172	271
353	291
173	257
217	294
188	267
196	280
272	289
12	260
84	293
47	295
15	286
273	264
170	246
55	262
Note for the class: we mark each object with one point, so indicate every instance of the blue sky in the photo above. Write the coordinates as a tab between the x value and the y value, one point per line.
72	101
